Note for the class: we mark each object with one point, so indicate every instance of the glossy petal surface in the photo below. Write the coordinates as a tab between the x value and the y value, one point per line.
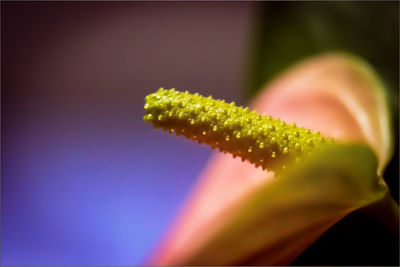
337	94
276	222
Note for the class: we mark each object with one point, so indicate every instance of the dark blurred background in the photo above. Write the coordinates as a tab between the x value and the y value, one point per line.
86	182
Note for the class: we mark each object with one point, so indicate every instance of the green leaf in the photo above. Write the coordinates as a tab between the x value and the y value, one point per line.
277	221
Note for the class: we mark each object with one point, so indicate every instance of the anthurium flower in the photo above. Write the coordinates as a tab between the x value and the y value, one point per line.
320	137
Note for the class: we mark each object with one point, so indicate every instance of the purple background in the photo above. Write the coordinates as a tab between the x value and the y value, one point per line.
84	180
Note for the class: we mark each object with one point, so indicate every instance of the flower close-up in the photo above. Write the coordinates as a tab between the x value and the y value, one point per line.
199	133
321	135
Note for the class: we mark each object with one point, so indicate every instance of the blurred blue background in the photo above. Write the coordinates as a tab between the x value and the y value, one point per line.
84	180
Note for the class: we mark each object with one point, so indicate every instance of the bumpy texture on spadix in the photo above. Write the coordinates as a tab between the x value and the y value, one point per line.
262	140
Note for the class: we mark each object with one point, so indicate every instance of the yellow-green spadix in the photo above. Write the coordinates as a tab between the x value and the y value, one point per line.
262	140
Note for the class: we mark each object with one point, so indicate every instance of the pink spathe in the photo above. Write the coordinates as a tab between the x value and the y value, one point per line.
330	93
